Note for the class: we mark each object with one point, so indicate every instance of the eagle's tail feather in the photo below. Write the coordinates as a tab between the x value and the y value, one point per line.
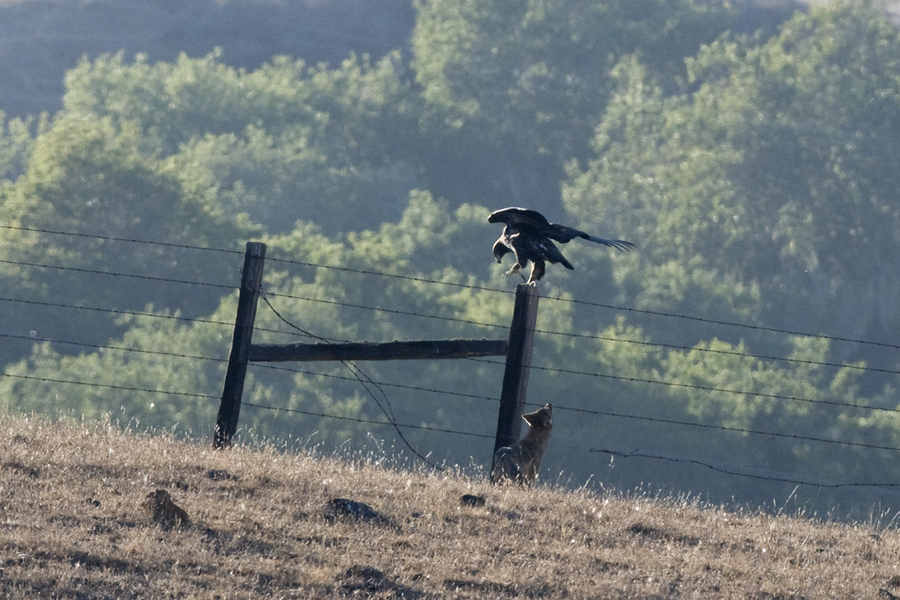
620	245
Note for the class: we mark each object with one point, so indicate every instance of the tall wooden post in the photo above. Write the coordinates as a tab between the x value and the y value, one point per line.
518	359
251	280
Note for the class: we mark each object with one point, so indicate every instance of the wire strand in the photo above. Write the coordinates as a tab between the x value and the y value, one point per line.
107	347
120	239
692	386
115	274
713	467
369	421
109	386
363	379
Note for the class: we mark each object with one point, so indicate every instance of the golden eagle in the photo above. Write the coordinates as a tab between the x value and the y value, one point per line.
529	236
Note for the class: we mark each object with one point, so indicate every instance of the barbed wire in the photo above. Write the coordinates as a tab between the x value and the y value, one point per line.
368	421
622	454
116	274
396	424
110	386
104	347
115	311
110	238
620	378
392	418
413	388
137	313
559	407
692	386
733	471
792	436
631	454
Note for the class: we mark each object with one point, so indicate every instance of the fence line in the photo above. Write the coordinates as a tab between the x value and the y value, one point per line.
557	406
458	394
448	283
595	304
550	369
444	392
464	321
454	284
401	386
561	407
136	313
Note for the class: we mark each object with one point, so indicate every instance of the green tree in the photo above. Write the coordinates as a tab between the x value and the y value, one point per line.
283	143
774	176
88	181
523	83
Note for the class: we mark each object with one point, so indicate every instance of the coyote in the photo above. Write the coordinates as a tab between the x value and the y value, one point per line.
521	461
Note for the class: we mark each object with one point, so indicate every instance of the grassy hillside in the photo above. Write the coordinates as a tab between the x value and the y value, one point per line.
262	524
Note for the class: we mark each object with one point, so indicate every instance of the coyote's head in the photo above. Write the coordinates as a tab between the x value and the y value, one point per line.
542	418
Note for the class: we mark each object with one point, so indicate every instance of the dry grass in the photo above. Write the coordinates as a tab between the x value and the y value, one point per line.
73	525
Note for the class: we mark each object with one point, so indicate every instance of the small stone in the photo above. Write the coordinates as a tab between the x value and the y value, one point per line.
164	511
472	500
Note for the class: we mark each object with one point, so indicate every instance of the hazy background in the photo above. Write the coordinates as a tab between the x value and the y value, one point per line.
747	352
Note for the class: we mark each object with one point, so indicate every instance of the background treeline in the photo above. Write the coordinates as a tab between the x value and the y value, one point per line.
758	174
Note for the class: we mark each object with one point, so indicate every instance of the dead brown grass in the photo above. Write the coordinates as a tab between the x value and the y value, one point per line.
74	523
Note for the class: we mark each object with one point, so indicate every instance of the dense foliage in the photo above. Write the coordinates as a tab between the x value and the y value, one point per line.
757	175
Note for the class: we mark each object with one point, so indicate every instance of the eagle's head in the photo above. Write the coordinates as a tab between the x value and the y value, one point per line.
500	249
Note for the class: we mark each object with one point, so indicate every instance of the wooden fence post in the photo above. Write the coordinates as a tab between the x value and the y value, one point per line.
230	408
518	359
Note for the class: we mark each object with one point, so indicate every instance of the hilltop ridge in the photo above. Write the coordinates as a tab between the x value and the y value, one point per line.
41	39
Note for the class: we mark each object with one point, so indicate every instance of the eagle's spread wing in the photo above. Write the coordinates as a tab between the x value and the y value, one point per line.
523	218
564	234
515	216
549	252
